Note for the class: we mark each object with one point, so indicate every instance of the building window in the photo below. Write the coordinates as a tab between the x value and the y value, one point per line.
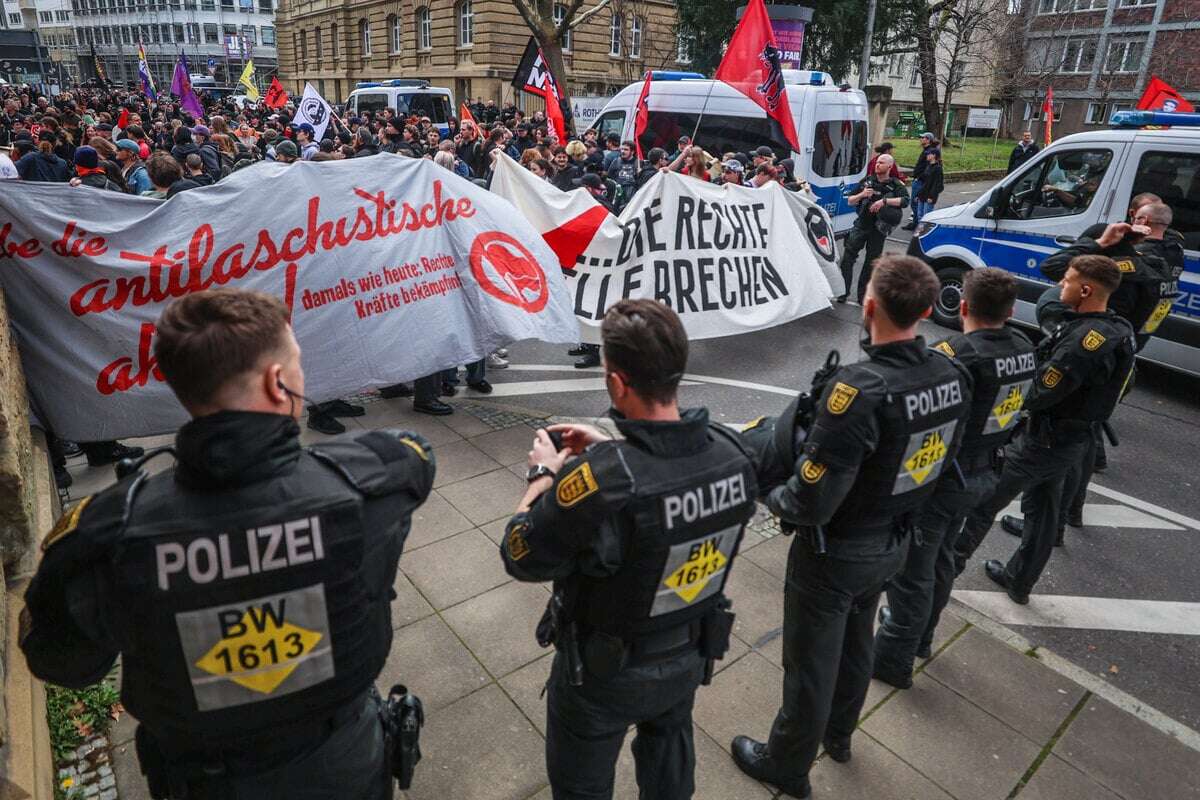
268	35
318	44
1069	6
211	35
364	36
560	13
334	39
303	48
227	5
264	6
1134	3
45	16
685	45
635	37
14	19
466	24
193	32
165	33
177	33
250	37
424	29
395	34
208	5
615	29
1078	55
1124	56
1097	114
62	16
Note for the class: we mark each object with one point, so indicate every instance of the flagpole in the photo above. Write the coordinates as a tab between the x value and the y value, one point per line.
703	108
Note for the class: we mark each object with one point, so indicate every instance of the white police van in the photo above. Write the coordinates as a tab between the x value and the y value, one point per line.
831	125
1020	221
404	96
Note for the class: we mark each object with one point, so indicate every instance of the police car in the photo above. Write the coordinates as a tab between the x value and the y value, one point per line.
1078	181
404	96
830	120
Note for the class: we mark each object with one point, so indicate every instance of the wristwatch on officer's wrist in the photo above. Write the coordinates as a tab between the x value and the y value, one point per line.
538	471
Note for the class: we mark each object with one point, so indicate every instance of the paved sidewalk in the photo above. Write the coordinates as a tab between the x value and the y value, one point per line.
982	721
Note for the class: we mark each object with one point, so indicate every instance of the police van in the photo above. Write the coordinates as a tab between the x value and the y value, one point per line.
404	96
1076	182
831	125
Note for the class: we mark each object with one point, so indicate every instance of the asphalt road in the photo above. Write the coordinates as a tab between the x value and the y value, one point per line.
1121	599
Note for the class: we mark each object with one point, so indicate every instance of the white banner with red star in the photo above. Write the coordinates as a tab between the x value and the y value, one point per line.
393	268
728	259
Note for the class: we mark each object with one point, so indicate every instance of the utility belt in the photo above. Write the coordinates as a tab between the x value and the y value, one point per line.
824	540
1049	431
191	773
988	459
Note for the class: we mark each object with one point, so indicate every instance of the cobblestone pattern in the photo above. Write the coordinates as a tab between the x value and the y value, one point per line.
764	523
88	775
498	417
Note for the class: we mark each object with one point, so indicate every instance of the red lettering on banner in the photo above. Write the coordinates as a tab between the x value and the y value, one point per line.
171	275
26	249
119	376
95	246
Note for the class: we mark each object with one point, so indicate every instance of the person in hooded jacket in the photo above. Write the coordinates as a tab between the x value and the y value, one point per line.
42	164
184	145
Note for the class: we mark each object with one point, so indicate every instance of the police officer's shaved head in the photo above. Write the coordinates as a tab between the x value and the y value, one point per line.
990	294
1099	271
645	342
905	288
1157	214
208	339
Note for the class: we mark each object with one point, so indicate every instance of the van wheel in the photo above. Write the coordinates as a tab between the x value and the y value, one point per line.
945	309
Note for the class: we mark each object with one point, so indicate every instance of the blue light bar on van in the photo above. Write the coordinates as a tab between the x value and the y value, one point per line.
670	75
1139	119
367	85
817	79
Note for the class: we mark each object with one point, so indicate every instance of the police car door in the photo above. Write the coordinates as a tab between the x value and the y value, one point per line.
1044	207
838	152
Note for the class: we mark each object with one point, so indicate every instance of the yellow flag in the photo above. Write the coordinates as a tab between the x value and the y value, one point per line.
247	80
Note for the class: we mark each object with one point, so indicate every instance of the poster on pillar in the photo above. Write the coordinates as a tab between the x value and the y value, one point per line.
728	259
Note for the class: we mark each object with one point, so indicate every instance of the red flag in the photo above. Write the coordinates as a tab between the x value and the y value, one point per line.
123	120
533	75
555	115
1162	96
464	114
752	66
1048	117
276	96
641	117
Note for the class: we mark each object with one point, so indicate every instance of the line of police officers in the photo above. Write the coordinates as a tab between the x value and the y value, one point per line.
247	589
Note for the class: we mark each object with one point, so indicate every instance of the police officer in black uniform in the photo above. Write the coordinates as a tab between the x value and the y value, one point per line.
1150	265
247	589
1002	366
1083	368
879	199
639	537
883	433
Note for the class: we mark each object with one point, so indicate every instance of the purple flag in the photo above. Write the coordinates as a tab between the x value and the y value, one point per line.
181	87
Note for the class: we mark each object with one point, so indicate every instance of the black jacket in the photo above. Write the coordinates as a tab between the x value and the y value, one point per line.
1020	155
39	166
932	183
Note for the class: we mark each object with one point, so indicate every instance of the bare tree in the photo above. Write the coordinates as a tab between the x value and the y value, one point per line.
966	51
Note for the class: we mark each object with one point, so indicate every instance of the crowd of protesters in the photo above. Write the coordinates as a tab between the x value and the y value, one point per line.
121	141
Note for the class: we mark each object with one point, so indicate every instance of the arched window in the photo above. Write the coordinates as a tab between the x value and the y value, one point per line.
317	42
395	34
303	47
364	34
335	42
424	29
616	29
466	24
635	37
560	11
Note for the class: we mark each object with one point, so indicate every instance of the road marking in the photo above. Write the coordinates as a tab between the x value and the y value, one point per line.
1110	516
1157	511
1092	613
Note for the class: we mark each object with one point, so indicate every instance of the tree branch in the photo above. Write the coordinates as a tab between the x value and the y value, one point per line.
529	14
591	12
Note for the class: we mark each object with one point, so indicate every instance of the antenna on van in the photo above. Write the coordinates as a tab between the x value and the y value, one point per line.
702	109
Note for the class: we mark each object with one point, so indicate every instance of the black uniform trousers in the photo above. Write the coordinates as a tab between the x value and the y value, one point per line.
1038	467
856	240
828	615
918	594
586	726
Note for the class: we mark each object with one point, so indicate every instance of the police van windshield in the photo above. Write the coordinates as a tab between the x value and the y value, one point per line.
434	106
718	134
1058	186
839	148
371	102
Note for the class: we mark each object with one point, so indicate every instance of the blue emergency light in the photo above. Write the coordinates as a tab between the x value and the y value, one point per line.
1140	119
671	75
367	85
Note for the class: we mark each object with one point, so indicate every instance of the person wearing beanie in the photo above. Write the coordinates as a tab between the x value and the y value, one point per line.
208	152
286	152
89	172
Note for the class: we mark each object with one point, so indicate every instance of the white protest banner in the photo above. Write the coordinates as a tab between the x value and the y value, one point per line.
314	110
393	268
728	259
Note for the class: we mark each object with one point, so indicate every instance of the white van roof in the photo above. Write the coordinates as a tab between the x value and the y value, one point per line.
1180	136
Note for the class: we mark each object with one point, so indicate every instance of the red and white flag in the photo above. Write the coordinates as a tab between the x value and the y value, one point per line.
642	116
1162	96
752	65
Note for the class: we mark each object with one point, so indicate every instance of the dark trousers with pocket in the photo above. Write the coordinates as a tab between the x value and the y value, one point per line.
857	240
828	614
586	727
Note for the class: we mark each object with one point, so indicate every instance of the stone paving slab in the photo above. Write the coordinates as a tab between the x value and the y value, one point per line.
1058	780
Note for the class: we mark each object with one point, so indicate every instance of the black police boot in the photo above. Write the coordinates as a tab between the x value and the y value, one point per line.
912	226
580	350
340	408
101	454
1012	525
995	571
435	407
924	649
1075	518
322	422
62	478
892	677
837	748
483	387
1060	538
753	759
396	390
448	390
590	359
70	449
1101	461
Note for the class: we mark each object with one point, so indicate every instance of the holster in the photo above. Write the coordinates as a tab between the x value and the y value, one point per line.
605	655
715	630
402	715
554	628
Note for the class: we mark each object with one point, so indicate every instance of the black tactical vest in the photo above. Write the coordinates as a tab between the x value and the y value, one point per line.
1145	294
1102	389
244	611
1170	251
921	420
680	536
1002	364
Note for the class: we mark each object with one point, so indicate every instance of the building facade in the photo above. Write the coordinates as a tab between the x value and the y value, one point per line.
49	23
469	46
220	33
1098	55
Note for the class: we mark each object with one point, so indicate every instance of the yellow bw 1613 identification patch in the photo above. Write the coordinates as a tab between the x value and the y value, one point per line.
1126	266
840	398
1093	340
518	548
1051	377
945	348
66	524
812	472
577	485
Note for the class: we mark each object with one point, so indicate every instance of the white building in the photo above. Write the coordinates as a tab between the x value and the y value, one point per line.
223	33
51	20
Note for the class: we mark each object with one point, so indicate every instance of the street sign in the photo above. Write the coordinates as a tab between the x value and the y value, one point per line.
984	118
